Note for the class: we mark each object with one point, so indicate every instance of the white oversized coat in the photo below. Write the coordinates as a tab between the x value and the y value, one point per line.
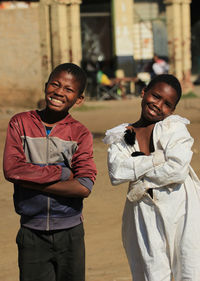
161	235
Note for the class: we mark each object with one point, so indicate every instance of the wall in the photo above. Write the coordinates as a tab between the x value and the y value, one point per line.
20	70
150	32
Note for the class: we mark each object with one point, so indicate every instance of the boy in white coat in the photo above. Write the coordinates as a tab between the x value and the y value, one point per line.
161	224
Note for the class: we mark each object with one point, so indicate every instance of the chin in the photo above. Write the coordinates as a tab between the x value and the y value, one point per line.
54	107
153	119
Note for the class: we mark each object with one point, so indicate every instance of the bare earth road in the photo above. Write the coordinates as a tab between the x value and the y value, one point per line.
105	257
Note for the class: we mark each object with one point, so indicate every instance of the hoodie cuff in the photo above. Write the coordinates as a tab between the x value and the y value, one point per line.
66	172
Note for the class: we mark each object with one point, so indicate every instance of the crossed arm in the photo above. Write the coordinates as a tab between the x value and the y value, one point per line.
69	188
50	178
168	165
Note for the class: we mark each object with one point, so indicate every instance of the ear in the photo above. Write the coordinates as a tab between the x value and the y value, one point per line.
80	100
45	87
142	93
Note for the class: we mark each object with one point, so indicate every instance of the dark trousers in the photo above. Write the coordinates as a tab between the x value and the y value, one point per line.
51	256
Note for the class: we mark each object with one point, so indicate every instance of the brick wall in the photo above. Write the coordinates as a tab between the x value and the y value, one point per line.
20	61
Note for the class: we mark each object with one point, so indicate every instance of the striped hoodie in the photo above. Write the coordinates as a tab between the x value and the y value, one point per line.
32	155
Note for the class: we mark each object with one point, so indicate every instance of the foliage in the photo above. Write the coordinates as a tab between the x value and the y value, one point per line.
85	107
189	95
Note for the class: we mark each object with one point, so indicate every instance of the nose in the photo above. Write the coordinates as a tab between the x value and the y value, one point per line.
59	91
159	105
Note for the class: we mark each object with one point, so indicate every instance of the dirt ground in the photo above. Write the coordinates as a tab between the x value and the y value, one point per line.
105	257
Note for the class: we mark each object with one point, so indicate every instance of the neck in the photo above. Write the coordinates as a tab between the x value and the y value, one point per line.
142	122
51	117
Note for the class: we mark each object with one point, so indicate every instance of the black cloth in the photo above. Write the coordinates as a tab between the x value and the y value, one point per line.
51	255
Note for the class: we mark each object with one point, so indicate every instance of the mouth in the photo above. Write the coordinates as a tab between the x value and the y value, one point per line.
153	110
55	101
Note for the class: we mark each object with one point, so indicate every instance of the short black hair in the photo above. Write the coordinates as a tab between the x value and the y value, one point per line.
73	69
168	79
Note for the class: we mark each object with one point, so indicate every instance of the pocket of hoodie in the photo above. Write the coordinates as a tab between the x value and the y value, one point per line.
29	202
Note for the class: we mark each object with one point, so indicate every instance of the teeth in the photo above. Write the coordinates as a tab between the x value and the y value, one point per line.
55	100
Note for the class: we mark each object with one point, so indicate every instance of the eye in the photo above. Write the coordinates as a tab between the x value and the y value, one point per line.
69	90
156	96
55	85
169	105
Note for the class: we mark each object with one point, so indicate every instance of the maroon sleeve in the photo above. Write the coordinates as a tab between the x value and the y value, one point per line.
14	161
82	162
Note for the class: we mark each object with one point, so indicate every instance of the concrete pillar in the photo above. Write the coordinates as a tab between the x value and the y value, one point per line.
75	31
173	12
60	33
122	13
186	27
45	40
179	39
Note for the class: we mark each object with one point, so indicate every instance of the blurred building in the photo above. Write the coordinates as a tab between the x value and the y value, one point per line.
124	34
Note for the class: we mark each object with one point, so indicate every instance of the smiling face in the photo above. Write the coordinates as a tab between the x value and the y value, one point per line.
62	91
158	102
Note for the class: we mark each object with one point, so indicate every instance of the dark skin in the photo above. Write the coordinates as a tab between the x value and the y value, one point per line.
61	93
157	103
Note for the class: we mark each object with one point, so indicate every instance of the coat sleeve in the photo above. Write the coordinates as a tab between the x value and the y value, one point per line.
123	167
15	166
83	165
176	144
167	165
